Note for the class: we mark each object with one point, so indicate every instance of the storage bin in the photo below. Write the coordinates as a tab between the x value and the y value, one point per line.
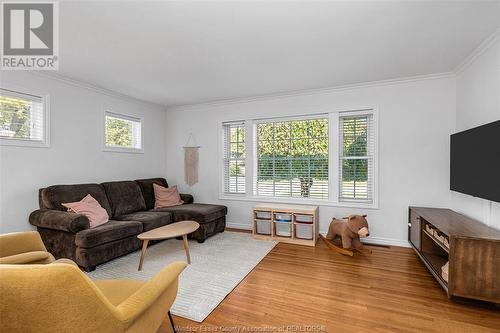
263	215
263	227
283	229
304	218
304	231
283	217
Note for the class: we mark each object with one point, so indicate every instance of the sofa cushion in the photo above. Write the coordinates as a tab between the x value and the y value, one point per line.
149	220
107	232
90	208
124	197
54	196
148	193
196	211
166	196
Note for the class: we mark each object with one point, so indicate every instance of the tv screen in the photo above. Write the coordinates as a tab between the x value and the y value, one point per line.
475	161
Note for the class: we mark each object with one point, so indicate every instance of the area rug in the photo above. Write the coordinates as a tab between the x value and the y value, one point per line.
218	265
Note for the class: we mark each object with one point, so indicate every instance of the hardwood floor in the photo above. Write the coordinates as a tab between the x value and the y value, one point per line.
387	291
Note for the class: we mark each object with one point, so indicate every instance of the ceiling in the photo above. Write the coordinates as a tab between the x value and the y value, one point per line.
178	53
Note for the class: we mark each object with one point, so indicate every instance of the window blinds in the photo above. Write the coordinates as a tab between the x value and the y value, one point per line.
292	158
356	137
21	116
234	157
123	131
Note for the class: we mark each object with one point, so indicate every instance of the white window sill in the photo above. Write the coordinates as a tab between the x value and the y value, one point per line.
24	143
298	201
123	150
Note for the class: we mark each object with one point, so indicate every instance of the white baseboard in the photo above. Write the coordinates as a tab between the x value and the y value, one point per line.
238	226
370	240
386	241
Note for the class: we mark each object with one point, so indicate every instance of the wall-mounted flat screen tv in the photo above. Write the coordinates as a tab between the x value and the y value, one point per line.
475	161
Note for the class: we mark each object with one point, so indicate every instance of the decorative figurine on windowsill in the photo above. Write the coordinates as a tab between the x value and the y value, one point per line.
349	230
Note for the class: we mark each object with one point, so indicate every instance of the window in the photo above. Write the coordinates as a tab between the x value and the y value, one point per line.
292	158
323	159
23	119
356	158
123	133
234	157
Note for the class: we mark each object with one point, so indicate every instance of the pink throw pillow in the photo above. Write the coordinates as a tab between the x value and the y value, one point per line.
166	196
91	208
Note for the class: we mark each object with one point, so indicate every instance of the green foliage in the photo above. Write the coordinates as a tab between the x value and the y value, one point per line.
299	150
118	132
356	169
15	116
294	149
236	169
355	145
237	151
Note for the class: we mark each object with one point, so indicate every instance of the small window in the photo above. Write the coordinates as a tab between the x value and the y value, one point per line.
123	133
292	158
234	158
23	119
356	158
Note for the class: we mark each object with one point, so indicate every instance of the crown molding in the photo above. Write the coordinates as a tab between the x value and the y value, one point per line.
299	93
94	88
482	48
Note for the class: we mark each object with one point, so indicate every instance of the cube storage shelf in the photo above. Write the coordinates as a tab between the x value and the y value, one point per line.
296	224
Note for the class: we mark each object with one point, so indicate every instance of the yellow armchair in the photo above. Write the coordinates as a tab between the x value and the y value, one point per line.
25	248
61	298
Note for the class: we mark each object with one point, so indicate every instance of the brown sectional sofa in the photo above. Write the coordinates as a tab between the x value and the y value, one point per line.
130	206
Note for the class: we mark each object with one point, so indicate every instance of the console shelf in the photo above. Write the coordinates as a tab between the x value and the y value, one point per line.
473	254
447	250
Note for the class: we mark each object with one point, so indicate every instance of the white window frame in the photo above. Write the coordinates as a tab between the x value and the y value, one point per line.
336	157
106	148
19	142
224	149
333	170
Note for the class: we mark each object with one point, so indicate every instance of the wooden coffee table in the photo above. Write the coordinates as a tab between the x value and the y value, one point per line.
182	228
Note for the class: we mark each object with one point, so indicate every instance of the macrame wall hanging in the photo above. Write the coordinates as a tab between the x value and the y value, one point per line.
191	161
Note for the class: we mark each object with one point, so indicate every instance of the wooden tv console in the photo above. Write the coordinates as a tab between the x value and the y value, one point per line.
471	248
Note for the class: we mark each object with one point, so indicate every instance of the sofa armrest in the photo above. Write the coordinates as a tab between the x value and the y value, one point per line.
187	198
59	220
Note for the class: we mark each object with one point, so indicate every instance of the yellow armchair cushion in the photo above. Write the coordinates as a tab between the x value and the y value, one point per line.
26	258
20	242
116	291
21	248
65	261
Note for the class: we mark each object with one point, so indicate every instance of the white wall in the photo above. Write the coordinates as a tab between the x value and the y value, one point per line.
478	103
416	118
75	154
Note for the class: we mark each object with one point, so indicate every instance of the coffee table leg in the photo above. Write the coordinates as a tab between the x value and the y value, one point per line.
143	252
186	247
